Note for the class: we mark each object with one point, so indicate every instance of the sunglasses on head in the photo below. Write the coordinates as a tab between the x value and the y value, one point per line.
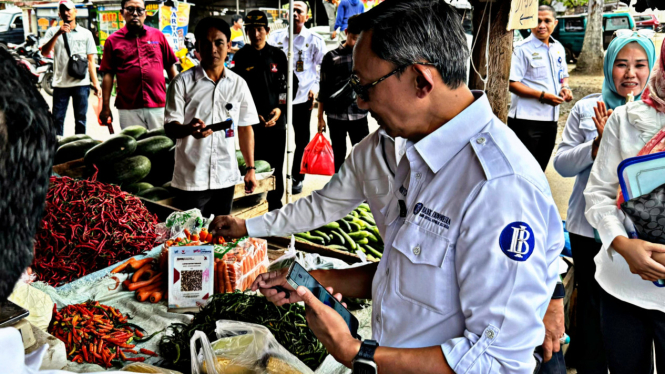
625	33
363	90
131	10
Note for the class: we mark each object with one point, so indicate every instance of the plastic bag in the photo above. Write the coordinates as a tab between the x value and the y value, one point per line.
177	222
97	107
244	348
237	267
318	157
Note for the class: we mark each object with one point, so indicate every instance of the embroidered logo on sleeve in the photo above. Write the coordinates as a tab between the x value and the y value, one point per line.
517	241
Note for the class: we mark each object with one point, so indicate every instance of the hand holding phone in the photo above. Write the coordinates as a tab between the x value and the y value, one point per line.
275	288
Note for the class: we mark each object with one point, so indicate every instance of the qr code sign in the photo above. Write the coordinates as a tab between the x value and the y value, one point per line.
191	280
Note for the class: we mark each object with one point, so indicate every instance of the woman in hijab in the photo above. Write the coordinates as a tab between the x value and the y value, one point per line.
632	306
627	66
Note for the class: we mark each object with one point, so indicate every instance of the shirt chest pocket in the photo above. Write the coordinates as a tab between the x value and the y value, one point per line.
537	68
425	269
588	128
378	191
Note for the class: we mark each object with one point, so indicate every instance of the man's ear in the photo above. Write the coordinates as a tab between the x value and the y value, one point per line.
424	80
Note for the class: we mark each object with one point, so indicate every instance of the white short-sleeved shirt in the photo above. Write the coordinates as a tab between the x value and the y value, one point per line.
573	160
472	237
308	47
81	42
208	163
539	67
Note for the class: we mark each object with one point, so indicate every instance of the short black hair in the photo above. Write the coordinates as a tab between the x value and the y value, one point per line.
201	31
353	27
547	8
123	2
236	18
408	31
27	148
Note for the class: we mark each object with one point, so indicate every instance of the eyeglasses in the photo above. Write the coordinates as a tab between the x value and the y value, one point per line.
625	33
298	11
131	10
363	90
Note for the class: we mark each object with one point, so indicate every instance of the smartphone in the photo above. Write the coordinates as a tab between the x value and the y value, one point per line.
11	313
221	125
298	276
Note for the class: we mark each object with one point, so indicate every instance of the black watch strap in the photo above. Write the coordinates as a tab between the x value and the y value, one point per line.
559	291
367	349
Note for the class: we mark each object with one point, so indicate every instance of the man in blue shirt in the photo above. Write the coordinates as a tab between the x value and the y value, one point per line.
346	10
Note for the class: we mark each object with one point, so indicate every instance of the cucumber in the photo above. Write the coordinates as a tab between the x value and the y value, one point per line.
153	147
364	206
372	238
262	166
349	242
371	258
355	227
112	150
162	168
331	226
137	187
362	241
349	218
376	232
73	150
134	131
313	239
73	138
355	214
155	193
127	171
373	251
363	250
357	235
376	246
368	218
344	226
323	235
337	247
337	238
167	185
154	132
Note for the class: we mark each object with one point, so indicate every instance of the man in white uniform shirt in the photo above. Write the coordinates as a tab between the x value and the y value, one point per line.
539	84
206	170
308	51
471	232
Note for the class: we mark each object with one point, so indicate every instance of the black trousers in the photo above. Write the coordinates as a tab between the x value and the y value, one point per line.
270	145
586	351
538	137
357	131
216	202
630	334
302	116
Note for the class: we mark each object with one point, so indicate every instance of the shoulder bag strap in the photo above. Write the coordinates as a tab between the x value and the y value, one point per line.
69	52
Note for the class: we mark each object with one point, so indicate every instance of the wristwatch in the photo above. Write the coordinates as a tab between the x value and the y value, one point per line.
364	361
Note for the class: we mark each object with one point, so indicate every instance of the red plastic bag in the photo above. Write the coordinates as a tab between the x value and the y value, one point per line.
318	157
97	106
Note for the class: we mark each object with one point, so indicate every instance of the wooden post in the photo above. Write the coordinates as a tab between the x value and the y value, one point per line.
500	53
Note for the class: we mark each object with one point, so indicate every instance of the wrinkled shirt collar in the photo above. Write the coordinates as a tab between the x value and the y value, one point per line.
199	73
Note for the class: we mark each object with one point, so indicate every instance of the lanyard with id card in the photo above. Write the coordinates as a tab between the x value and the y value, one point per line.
300	64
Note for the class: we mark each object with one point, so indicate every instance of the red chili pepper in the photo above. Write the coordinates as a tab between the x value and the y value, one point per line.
135	359
147	352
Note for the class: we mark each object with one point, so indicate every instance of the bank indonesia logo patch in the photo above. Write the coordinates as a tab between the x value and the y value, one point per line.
418	208
517	241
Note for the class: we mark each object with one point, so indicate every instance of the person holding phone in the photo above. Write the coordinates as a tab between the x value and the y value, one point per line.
206	170
82	43
472	235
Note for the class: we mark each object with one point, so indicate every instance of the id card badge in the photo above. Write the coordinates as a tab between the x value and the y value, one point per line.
230	132
300	64
282	98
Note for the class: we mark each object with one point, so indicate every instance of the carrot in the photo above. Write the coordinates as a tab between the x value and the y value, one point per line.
195	237
156	297
122	266
137	285
227	279
152	287
143	296
219	278
187	233
144	270
138	264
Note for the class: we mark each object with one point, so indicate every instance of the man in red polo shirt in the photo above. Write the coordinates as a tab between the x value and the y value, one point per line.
137	55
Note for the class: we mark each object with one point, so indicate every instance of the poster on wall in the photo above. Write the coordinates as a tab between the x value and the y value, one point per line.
152	15
173	23
110	21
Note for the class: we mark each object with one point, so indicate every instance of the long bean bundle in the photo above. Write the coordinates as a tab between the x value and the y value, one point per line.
287	324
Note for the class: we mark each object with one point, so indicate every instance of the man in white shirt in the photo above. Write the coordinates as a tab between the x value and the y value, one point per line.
80	43
24	178
539	84
471	232
206	170
308	51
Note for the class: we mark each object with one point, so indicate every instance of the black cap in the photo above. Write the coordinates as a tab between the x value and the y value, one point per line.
256	18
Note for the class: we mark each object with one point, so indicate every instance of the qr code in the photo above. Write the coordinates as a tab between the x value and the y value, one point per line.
191	280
